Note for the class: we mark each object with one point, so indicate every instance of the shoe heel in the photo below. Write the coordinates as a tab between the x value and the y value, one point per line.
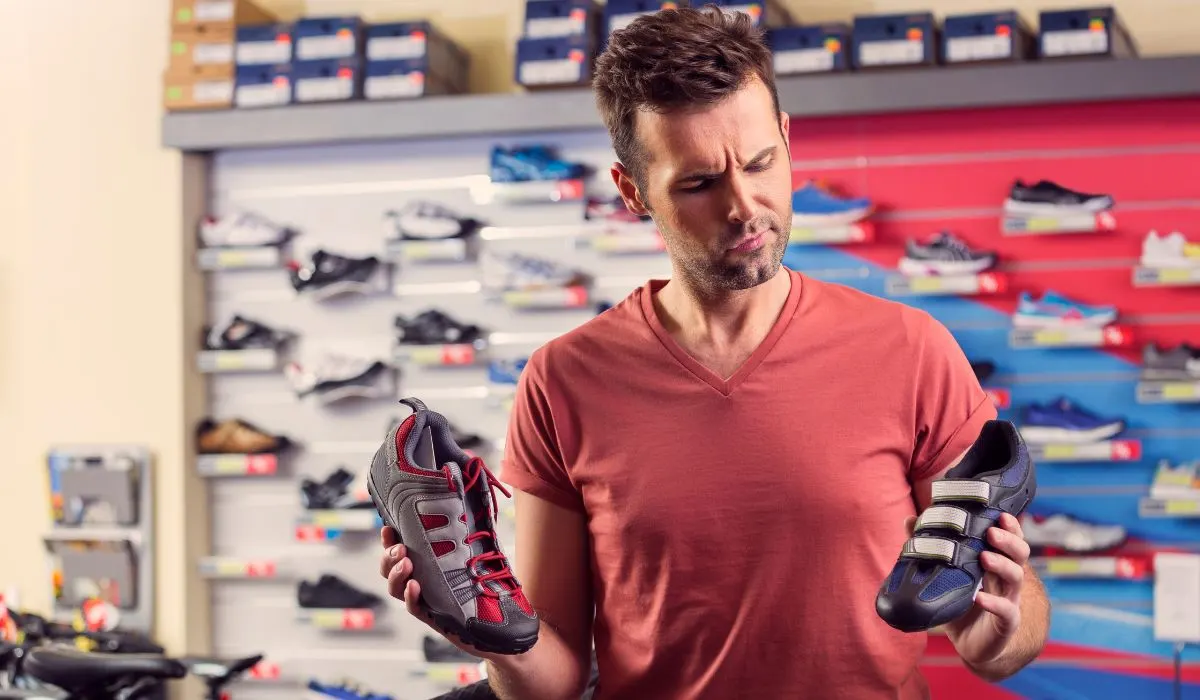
382	514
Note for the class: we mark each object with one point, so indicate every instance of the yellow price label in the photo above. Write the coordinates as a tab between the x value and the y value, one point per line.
1058	451
518	298
1174	274
226	567
925	284
1064	566
802	234
326	519
1179	391
231	258
1042	224
1182	507
1050	337
226	359
427	356
327	619
417	251
230	464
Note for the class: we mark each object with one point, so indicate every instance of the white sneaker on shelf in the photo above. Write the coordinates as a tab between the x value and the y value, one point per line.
242	230
338	376
1170	251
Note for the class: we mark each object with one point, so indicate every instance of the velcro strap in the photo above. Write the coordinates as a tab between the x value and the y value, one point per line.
950	517
929	548
961	490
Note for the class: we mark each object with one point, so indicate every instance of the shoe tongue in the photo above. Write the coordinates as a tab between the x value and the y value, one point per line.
423	455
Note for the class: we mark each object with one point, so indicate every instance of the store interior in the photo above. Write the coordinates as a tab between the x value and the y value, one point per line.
389	158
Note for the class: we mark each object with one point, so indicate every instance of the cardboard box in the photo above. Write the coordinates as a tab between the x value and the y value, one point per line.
885	41
187	14
403	79
263	86
335	80
437	56
200	48
559	62
209	87
547	19
765	13
324	38
985	38
1086	33
818	48
263	44
619	13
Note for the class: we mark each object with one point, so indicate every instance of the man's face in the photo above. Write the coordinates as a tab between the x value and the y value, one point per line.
718	183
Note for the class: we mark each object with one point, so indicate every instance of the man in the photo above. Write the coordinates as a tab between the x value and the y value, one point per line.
723	467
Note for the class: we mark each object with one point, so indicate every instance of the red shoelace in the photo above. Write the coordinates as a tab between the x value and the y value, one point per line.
473	472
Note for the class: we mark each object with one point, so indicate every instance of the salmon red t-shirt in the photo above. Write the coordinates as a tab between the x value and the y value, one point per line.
741	528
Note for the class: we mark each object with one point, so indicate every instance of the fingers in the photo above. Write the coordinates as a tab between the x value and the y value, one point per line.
389	536
1011	524
391	556
1008	542
1009	572
397	577
412	597
1007	613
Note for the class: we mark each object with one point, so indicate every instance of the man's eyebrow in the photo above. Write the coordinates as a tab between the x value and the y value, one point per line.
703	174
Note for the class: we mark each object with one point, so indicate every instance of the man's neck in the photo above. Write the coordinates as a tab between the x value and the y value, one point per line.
725	318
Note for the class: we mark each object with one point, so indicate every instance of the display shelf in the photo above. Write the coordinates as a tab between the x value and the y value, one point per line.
554	298
448	355
256	360
239	258
861	232
1151	507
1102	451
963	87
1166	276
1001	398
327	525
235	568
93	533
344	619
1168	392
946	285
632	240
453	674
447	250
529	192
1061	224
1092	567
237	465
1111	336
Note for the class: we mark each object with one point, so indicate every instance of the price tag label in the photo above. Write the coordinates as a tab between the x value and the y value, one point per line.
1180	390
324	89
1052	452
1001	398
1182	507
358	619
891	53
383	87
548	27
278	92
229	360
1050	337
259	53
214	10
978	48
817	60
340	45
393	48
209	54
555	72
264	671
1076	42
925	284
1057	566
1175	275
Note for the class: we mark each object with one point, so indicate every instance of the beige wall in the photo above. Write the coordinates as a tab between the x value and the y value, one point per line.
92	347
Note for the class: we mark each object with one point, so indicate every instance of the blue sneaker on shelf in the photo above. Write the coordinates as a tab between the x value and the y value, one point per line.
1061	421
506	371
1054	310
531	163
812	205
344	691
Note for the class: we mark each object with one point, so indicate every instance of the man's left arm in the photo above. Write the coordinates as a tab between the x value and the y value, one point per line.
1007	627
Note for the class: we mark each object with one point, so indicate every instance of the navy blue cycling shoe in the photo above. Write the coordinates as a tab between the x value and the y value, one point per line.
938	574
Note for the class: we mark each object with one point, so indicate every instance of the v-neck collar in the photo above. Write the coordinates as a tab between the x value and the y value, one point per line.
725	386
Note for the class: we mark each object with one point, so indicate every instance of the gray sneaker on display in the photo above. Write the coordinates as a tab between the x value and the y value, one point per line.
441	502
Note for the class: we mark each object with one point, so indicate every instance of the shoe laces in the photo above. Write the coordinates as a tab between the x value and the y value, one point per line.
474	473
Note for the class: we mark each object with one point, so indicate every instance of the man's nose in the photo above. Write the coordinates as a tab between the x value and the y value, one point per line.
742	207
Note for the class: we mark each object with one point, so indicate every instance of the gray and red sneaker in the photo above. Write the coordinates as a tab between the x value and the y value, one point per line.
441	502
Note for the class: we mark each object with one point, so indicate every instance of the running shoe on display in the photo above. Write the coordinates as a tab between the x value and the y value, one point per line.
441	502
330	274
242	230
514	271
506	371
812	205
241	333
339	376
531	163
333	493
943	254
440	651
1068	534
983	370
1046	198
423	221
434	327
1181	362
332	592
1170	251
344	690
1181	481
610	209
1061	421
236	436
1054	310
938	573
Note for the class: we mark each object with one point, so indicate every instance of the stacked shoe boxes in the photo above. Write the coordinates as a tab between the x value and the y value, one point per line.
893	41
413	59
328	61
819	48
263	53
987	37
1088	33
559	42
619	13
201	64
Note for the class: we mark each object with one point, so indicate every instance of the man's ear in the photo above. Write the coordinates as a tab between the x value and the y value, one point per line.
629	190
785	129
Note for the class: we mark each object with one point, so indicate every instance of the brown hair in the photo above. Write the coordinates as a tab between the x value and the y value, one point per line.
675	59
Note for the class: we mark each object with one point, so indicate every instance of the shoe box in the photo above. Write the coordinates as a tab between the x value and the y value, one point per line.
263	86
619	13
558	43
986	37
765	13
413	59
549	19
263	45
328	80
201	60
328	38
817	48
225	14
890	41
1084	33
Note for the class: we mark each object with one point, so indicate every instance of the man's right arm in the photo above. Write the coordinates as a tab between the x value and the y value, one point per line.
553	568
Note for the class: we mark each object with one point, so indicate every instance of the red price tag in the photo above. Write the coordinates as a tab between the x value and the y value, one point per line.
992	283
457	354
260	569
1126	450
358	619
576	296
309	533
570	189
264	671
260	464
1117	336
1001	398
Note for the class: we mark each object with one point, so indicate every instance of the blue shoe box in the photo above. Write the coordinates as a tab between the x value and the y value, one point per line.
263	45
405	78
435	55
323	38
619	13
263	86
336	80
817	48
887	41
551	19
765	13
1086	32
561	62
987	37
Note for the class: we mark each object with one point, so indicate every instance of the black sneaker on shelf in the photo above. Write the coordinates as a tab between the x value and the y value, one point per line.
328	494
440	651
336	377
426	221
241	333
329	274
433	327
1180	362
1049	198
983	370
332	592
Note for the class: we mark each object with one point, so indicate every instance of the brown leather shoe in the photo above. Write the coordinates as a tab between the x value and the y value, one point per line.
235	436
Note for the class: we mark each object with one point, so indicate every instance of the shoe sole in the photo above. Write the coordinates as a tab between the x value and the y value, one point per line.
1020	320
841	218
444	623
922	268
1042	435
1019	208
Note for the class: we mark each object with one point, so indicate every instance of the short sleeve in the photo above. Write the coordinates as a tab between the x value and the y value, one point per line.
950	406
533	460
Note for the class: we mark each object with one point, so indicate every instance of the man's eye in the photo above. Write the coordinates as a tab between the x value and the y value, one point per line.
759	167
698	186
